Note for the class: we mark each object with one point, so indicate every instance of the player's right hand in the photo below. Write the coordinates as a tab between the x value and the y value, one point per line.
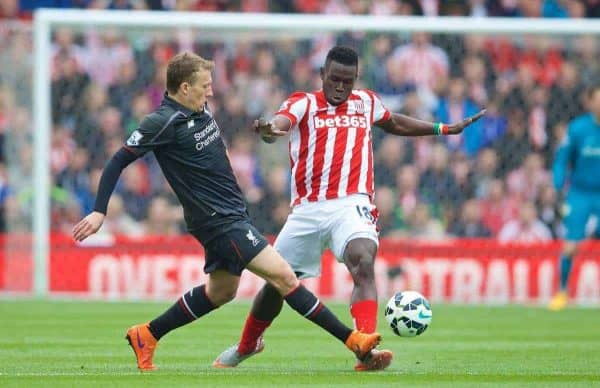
88	226
267	129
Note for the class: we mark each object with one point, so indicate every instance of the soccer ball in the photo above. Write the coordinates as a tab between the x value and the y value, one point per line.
408	313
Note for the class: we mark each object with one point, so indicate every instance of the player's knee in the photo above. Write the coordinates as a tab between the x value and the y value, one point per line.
285	281
223	295
269	292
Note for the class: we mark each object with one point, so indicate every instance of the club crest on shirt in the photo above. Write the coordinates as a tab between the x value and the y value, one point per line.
250	236
359	107
190	123
134	138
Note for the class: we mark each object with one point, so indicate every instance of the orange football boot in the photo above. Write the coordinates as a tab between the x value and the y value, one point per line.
376	360
361	343
143	344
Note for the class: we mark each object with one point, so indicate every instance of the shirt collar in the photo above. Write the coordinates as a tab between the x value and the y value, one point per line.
167	100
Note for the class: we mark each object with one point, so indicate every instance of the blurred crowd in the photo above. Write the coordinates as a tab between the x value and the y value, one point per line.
509	8
494	181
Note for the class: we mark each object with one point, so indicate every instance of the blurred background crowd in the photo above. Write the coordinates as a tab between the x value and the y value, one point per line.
526	8
494	181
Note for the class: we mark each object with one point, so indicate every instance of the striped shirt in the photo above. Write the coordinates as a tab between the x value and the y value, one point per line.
331	152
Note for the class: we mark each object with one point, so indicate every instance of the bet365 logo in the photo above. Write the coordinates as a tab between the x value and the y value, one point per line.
341	121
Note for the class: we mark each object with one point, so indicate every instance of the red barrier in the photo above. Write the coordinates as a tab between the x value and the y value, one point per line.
457	271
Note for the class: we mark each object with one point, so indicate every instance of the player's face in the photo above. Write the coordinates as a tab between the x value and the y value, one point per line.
338	81
198	91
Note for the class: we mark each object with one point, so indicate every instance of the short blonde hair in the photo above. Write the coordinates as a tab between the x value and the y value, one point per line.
183	67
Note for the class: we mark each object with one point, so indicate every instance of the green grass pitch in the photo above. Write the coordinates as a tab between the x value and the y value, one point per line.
81	344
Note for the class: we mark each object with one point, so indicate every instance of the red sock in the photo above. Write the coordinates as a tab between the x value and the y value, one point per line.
365	315
253	329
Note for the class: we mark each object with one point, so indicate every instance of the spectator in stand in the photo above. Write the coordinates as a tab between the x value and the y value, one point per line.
64	211
424	64
394	85
388	158
273	208
244	163
548	208
87	196
476	79
155	89
478	8
234	109
437	184
140	107
555	9
530	8
497	208
134	188
119	222
565	96
486	167
527	181
62	148
514	147
67	83
262	83
104	55
455	105
161	219
410	8
126	86
542	56
464	177
577	8
526	229
470	225
64	45
538	118
421	226
585	57
75	178
407	195
87	120
381	48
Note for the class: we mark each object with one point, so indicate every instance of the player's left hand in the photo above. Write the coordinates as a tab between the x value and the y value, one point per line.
456	128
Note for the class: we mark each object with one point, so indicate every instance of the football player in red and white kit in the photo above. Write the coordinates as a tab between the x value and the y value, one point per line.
332	191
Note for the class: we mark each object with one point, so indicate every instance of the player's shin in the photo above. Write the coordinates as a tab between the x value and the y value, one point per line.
566	263
310	307
191	306
364	315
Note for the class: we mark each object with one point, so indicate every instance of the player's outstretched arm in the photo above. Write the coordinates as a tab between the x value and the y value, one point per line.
91	223
270	130
402	125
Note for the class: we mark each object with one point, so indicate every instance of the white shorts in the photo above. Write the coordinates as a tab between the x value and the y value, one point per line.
315	226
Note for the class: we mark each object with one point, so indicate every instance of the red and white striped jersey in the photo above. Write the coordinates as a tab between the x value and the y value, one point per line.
331	151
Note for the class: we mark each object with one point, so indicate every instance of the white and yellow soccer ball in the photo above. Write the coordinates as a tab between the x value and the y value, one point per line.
408	313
